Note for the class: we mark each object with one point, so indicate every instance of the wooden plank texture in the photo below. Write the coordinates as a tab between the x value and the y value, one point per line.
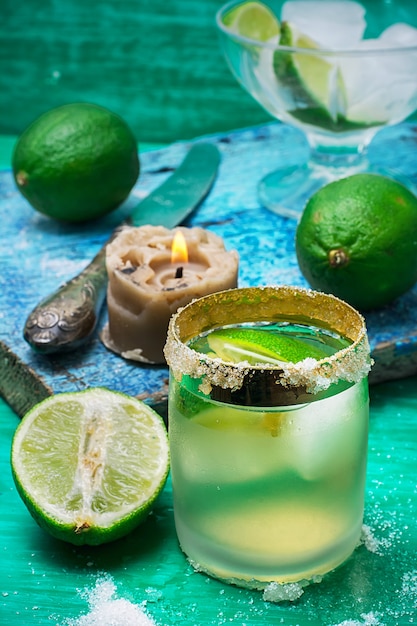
156	63
47	582
38	254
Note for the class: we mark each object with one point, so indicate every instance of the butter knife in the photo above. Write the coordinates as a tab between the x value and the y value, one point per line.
68	317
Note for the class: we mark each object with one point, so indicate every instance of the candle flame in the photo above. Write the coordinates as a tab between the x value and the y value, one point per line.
179	251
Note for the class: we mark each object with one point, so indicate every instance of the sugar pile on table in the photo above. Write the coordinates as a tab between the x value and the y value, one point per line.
369	619
108	610
369	540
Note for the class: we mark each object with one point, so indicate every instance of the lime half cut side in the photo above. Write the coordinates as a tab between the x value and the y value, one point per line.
253	20
237	345
89	465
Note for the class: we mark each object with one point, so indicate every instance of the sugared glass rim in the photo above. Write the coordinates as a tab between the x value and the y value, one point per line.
368	52
291	383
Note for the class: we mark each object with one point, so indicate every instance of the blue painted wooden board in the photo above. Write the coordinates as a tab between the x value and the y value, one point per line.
38	254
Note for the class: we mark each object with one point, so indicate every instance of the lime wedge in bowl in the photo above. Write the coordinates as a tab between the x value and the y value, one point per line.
313	79
236	345
89	465
253	20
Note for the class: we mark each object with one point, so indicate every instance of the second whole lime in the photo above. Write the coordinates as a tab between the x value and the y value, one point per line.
76	162
357	239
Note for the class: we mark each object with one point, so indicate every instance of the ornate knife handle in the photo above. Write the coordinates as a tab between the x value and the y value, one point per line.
64	319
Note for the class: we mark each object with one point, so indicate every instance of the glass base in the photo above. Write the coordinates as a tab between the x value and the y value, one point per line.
210	563
286	191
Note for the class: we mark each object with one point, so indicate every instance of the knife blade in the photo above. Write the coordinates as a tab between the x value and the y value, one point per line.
67	318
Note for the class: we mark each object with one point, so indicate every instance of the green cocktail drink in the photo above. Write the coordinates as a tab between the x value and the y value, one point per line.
268	422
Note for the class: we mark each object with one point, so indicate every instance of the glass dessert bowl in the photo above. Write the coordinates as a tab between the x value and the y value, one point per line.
338	70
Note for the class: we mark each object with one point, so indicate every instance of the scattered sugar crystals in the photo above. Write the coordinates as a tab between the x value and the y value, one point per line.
369	619
369	540
108	610
276	592
350	364
409	587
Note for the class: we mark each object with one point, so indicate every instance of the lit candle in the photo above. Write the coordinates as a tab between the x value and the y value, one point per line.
152	272
179	270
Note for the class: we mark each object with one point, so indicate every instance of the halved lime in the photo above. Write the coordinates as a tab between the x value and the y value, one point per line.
89	465
313	79
259	346
253	20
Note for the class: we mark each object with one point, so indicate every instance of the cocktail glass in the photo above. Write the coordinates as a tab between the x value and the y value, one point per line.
351	72
268	457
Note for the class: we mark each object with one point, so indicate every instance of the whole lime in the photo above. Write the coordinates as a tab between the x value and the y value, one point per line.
357	239
76	162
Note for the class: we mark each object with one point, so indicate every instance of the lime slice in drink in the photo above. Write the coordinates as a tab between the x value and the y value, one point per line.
89	465
253	20
242	422
311	78
259	346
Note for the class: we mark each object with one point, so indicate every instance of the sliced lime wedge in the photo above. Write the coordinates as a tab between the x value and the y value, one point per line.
312	79
89	465
253	20
259	346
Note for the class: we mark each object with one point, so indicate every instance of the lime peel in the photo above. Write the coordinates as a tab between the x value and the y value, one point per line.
89	465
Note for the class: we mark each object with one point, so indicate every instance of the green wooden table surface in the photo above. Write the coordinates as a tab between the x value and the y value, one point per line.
44	581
